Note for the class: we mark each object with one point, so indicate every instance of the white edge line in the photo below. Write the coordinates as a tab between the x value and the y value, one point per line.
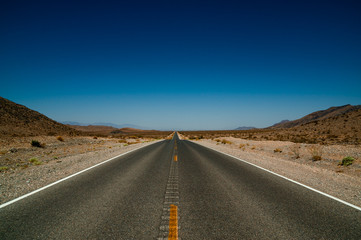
73	175
303	185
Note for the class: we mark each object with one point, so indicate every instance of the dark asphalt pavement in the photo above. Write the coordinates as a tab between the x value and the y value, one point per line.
219	198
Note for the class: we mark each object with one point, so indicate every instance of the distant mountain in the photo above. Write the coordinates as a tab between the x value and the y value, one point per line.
74	123
126	125
244	128
317	116
18	120
104	124
94	129
130	130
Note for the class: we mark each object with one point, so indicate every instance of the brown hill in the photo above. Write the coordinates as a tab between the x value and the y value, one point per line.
345	128
317	116
18	120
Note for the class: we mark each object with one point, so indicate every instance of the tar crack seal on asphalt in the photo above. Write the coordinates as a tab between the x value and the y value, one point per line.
169	226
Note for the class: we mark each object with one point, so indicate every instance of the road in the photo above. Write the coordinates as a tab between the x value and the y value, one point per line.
177	189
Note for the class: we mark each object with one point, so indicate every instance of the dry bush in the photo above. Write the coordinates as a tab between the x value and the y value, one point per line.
277	150
36	143
60	138
122	141
242	145
224	141
4	168
35	161
316	152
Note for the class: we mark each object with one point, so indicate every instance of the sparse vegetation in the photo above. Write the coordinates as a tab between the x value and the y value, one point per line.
347	161
60	138
224	141
4	168
316	152
36	143
241	146
35	161
277	150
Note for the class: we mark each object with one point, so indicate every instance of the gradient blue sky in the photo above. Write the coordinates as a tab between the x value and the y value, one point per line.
180	64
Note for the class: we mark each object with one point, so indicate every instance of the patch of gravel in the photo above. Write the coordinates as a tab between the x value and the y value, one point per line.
19	181
324	175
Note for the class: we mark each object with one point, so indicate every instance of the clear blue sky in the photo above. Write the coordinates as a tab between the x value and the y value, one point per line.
180	64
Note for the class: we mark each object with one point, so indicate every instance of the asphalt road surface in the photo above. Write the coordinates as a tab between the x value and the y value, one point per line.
177	189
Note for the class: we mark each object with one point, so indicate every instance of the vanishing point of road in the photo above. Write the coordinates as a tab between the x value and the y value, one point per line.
176	189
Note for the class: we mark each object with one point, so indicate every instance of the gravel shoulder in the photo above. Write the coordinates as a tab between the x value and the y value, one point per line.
295	162
25	168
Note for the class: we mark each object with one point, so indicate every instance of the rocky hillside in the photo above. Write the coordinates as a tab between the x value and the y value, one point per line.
18	120
317	116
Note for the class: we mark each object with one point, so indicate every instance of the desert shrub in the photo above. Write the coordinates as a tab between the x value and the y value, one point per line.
36	143
224	141
35	161
3	168
253	147
217	140
242	145
316	152
347	161
60	138
95	137
277	150
122	141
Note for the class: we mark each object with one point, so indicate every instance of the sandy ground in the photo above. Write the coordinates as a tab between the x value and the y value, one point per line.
24	168
280	157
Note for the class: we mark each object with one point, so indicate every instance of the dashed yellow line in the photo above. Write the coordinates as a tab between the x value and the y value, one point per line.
175	158
173	223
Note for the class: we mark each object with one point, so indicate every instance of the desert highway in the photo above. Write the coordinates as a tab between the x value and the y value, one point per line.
177	189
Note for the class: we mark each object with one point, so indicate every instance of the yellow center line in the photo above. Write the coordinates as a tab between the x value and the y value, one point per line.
173	223
175	158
